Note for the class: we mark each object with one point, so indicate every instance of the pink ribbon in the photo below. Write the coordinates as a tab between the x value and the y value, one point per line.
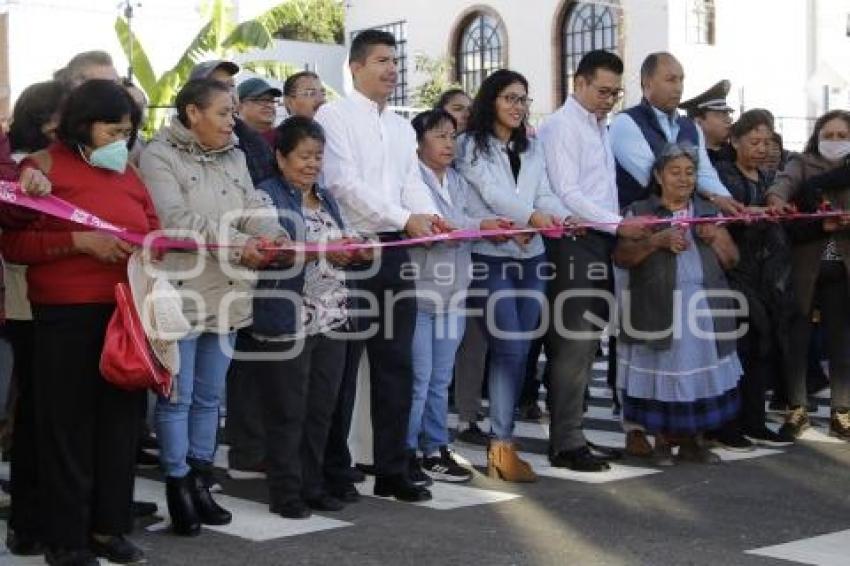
51	205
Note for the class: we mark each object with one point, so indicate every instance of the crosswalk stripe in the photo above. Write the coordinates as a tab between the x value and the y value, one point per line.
540	463
824	550
251	520
447	496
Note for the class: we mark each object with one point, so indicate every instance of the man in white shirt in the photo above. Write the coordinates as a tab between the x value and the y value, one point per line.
371	167
582	173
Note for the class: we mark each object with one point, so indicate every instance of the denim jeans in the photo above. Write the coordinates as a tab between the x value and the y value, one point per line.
517	309
187	427
435	342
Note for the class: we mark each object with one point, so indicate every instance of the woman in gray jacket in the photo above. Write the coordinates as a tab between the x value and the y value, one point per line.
442	278
507	172
201	187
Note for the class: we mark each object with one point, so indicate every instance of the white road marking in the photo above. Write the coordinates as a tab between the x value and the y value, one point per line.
542	467
251	521
825	550
448	496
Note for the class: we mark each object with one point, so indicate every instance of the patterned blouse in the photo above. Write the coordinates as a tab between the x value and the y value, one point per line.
325	294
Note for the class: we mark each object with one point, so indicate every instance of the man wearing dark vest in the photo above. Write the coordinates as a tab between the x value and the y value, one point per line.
639	133
714	117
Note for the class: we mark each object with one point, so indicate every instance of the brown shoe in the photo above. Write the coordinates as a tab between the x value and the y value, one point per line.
637	444
504	463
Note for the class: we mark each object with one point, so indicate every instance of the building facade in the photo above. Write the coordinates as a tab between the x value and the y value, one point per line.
790	56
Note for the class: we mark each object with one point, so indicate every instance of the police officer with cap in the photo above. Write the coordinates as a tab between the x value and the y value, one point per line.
714	117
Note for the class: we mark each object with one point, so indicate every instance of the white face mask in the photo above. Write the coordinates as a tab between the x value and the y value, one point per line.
834	150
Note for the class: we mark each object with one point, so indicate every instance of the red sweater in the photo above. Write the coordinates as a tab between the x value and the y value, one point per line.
58	274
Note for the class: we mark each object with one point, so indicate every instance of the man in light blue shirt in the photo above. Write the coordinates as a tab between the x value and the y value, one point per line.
638	133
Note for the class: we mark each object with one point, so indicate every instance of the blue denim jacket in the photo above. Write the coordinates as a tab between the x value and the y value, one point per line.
280	316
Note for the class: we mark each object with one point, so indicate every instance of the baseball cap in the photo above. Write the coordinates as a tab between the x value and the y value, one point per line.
204	69
255	87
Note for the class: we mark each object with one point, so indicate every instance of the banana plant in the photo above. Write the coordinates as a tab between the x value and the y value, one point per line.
221	37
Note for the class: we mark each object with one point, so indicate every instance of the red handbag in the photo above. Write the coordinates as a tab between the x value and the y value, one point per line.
127	361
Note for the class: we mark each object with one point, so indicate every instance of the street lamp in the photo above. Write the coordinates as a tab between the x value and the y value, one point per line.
129	6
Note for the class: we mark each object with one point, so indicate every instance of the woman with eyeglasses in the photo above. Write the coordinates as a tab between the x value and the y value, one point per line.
507	172
303	94
677	366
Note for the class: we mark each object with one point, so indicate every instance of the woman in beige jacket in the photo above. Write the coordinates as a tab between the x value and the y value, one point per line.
200	185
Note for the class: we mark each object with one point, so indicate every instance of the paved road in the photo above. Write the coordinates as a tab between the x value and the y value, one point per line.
634	514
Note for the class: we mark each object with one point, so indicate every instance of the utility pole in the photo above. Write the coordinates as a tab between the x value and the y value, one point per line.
129	7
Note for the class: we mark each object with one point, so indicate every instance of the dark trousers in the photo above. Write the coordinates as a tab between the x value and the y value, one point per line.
530	393
470	368
298	399
24	514
833	295
581	264
389	346
86	429
337	462
243	427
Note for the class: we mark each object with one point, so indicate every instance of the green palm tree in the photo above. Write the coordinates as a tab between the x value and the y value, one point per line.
221	37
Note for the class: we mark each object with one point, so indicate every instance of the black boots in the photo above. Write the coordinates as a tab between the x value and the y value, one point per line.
190	503
179	496
210	512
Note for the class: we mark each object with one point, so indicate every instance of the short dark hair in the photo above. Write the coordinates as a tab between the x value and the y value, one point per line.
650	65
430	120
363	43
294	130
777	138
73	71
483	114
198	92
97	100
749	121
292	81
444	99
598	59
812	144
35	107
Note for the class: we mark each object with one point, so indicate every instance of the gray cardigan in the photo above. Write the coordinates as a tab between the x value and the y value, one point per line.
496	194
443	270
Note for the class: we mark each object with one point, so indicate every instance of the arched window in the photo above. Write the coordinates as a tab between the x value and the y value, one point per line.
585	27
480	50
700	22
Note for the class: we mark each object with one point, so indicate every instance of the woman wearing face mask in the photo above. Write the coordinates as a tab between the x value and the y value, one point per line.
200	184
86	428
819	272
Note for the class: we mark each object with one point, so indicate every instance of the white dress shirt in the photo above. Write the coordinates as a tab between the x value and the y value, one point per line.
370	165
581	166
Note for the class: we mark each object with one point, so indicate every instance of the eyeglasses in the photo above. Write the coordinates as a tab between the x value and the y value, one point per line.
311	93
516	100
265	101
606	93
